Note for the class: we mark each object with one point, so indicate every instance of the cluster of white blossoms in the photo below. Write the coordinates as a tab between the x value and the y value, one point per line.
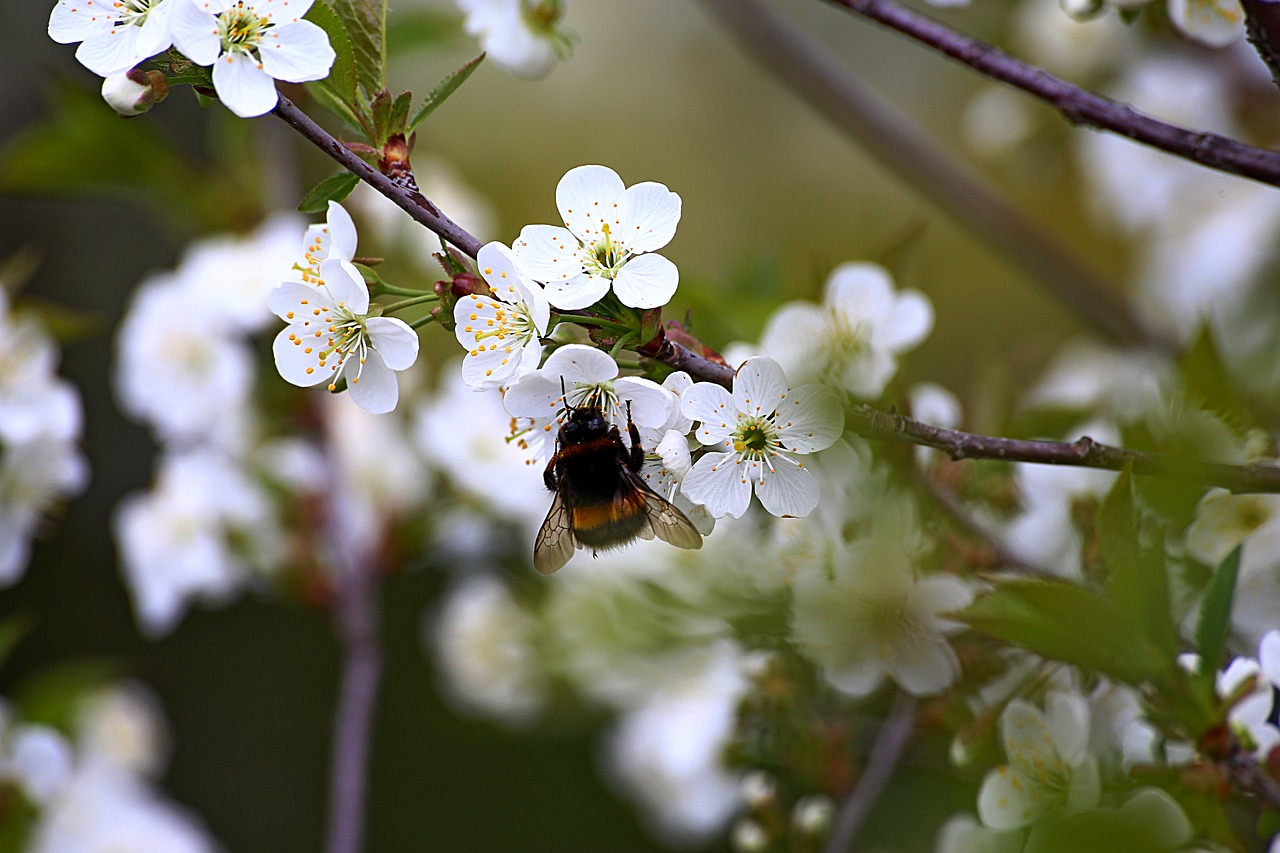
40	424
249	43
92	787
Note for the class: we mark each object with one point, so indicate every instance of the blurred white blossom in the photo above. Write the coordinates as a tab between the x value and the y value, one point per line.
523	36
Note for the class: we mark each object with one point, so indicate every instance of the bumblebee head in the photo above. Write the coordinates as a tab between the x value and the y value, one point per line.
584	424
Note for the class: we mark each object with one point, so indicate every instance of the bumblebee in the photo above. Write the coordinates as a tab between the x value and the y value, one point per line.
600	500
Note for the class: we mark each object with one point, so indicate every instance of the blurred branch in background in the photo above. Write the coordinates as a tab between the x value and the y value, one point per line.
819	78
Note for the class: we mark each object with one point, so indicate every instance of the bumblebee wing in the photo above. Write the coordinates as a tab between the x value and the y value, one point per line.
666	521
555	543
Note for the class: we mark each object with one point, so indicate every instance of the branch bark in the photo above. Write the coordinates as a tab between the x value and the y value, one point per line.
1078	106
815	75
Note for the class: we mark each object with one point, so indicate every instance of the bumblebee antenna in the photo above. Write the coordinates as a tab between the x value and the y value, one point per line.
564	396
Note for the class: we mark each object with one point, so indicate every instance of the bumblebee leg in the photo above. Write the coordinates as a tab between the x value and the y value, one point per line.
549	473
636	460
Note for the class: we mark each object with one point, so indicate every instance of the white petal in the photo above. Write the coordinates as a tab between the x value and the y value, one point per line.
75	20
714	482
1067	715
586	197
1215	23
581	291
758	386
651	404
294	363
484	370
372	385
1027	739
345	285
547	253
923	667
788	490
793	336
581	364
497	265
245	88
860	292
111	52
1269	657
394	341
534	396
296	52
1006	799
810	419
941	594
648	214
341	232
291	299
909	322
858	678
712	406
648	281
194	31
281	12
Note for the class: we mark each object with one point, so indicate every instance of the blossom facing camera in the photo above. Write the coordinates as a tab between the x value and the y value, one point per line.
134	92
609	236
251	44
114	35
758	431
331	337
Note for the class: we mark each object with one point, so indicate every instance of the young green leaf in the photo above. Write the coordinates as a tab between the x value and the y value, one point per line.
1215	615
1137	579
397	121
366	23
1065	622
333	188
441	92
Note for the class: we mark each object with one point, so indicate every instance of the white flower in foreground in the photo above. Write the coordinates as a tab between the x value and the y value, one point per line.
610	232
519	35
114	35
331	337
335	238
501	332
1050	769
854	337
590	378
482	641
872	619
759	428
1213	23
251	44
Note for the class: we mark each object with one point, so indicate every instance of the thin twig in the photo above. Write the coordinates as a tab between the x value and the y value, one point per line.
1078	106
1005	558
355	617
891	740
817	76
408	199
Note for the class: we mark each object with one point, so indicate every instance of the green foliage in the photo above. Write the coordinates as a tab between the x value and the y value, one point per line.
333	188
1215	620
1209	383
1137	579
18	817
341	82
1066	622
86	150
441	92
365	23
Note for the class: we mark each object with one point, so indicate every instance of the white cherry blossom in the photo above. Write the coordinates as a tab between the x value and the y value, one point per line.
331	337
114	35
1213	23
855	336
870	618
521	36
590	378
251	44
1050	768
334	238
501	332
609	236
758	430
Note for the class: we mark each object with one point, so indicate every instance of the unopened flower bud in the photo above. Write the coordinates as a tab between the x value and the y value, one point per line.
758	789
134	92
749	837
813	815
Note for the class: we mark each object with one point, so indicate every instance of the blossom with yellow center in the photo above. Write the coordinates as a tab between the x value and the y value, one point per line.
502	333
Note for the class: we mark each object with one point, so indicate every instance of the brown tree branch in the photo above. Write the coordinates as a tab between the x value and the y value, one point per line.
1078	106
890	741
1262	24
814	74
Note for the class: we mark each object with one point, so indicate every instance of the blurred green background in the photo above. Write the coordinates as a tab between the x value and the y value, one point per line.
773	199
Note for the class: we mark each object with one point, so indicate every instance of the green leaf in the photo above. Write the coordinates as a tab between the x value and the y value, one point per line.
12	630
441	92
366	22
1209	383
18	818
1215	615
396	122
1137	579
341	82
333	188
380	112
1065	622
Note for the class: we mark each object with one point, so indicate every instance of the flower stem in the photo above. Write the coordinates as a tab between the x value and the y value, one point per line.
409	303
584	320
383	287
422	321
622	341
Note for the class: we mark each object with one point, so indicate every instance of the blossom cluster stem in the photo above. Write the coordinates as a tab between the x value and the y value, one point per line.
1077	106
887	750
409	303
817	76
